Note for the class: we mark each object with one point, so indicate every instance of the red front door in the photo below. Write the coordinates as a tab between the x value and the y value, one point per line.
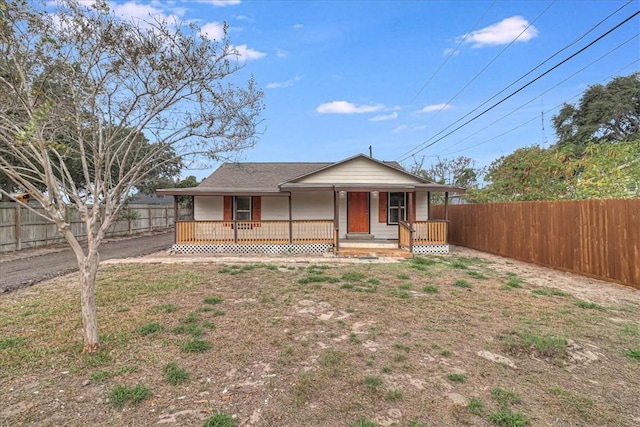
358	212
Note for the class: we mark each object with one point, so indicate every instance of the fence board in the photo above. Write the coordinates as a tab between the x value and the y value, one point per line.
596	238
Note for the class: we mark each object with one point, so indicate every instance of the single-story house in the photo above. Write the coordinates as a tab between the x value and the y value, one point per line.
310	208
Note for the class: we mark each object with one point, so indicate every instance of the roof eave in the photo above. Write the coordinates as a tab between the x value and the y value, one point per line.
204	191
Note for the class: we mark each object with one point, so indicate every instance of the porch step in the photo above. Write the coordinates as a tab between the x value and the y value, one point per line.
359	236
372	252
368	244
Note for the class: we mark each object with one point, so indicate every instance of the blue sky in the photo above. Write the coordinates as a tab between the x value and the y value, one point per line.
340	76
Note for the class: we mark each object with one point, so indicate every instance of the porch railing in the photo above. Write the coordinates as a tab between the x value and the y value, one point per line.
422	233
254	232
431	232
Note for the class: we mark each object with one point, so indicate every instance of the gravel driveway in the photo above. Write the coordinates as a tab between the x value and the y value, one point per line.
30	266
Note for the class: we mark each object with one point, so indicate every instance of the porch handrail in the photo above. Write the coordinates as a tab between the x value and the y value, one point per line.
254	232
405	236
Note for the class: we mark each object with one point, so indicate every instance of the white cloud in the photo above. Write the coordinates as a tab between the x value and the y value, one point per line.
141	12
434	107
244	18
220	3
249	54
503	32
407	128
344	107
298	26
450	51
213	30
287	83
384	117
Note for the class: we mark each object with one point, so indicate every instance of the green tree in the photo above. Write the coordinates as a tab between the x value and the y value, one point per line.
82	90
604	114
529	173
608	171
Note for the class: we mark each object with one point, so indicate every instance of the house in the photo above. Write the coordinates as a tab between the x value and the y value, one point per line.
310	208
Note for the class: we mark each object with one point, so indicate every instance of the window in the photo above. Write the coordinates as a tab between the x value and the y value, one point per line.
243	208
397	210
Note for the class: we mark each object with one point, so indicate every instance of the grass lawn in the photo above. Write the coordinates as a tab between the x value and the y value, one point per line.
440	340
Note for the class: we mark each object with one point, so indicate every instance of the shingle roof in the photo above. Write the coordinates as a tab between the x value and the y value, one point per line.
261	178
264	176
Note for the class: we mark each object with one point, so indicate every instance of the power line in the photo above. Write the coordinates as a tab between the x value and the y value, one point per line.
520	88
495	58
551	88
536	67
462	40
530	120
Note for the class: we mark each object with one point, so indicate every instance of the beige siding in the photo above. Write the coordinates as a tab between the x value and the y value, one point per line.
359	171
421	207
275	208
342	223
312	205
208	208
380	230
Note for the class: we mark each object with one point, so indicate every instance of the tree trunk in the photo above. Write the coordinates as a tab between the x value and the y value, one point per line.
88	273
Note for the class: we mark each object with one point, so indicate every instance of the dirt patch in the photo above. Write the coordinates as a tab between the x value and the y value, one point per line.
422	341
582	287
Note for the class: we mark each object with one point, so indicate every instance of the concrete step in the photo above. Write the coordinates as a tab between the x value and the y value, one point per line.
373	252
376	244
359	236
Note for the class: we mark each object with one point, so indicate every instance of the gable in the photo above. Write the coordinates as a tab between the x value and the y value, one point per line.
359	170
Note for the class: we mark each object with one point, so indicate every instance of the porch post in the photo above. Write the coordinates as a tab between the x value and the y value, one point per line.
235	232
428	205
175	219
410	208
290	222
336	220
446	203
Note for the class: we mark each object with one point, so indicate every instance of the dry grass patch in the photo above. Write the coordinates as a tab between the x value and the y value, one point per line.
338	345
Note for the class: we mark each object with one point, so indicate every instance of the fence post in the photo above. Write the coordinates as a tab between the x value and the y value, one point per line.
150	219
18	227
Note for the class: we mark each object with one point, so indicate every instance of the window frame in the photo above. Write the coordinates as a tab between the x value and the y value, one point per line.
236	210
402	209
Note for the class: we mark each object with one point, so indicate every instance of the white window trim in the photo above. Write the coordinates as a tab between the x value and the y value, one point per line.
400	210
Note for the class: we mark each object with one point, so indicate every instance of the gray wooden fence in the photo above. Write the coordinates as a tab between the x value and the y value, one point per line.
21	228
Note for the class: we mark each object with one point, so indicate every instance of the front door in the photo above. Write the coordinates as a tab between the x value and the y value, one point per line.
358	212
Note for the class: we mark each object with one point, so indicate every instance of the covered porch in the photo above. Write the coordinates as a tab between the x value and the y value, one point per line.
354	228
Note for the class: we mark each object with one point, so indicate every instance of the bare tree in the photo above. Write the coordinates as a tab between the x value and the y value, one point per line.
79	87
459	171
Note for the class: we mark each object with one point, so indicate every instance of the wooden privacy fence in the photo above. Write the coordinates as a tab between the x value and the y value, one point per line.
21	228
596	238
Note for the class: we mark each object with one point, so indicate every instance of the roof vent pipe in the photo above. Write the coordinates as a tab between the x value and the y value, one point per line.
371	152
